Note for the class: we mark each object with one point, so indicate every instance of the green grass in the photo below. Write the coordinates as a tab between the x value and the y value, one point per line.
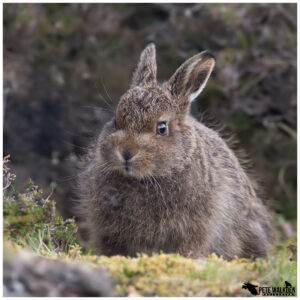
30	222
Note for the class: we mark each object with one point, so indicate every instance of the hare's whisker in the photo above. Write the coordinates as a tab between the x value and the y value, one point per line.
105	89
161	192
101	96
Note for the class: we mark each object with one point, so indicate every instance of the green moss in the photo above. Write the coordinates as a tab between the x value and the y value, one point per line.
173	275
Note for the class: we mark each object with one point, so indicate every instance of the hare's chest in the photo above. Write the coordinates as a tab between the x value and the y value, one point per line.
145	220
131	204
144	207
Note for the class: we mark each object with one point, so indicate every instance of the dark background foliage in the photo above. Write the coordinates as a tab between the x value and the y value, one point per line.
66	66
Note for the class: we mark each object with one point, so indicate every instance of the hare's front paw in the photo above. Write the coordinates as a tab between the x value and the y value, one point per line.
191	251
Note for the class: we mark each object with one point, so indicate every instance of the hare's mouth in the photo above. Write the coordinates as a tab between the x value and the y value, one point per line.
127	168
130	170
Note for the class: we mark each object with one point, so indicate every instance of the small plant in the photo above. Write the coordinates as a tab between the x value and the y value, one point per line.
30	219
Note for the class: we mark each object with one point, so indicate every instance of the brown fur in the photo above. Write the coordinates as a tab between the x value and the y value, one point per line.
185	192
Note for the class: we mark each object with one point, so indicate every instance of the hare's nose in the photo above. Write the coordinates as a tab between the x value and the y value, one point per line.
127	151
127	155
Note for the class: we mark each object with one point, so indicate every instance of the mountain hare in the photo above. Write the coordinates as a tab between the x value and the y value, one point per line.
158	180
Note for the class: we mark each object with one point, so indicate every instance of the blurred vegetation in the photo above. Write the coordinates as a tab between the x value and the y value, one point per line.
66	66
60	267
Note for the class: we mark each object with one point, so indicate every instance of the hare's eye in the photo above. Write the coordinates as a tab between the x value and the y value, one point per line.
161	128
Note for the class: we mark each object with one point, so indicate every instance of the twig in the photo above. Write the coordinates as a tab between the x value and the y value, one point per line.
288	130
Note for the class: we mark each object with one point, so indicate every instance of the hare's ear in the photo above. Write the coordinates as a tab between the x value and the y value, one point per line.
191	77
145	74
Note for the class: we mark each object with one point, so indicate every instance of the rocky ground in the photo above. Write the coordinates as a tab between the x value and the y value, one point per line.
28	275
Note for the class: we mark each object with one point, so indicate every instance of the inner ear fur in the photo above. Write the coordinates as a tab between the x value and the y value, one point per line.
191	77
145	73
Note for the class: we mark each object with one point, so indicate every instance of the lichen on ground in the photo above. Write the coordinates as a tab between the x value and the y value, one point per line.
30	222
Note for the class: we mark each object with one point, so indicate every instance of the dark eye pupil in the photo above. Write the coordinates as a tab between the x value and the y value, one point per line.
161	128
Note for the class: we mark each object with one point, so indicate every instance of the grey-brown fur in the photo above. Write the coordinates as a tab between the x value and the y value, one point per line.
185	192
